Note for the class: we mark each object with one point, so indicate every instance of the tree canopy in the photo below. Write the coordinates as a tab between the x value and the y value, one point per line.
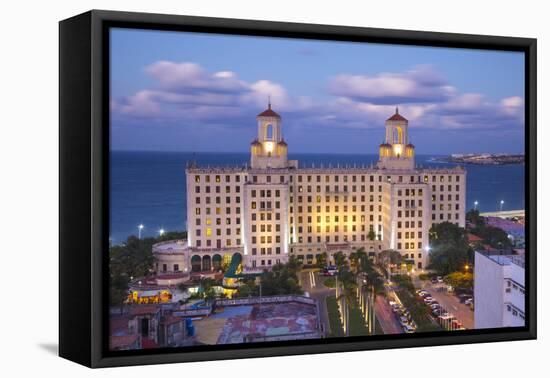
449	248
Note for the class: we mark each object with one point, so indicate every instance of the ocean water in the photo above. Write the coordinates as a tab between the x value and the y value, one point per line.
150	188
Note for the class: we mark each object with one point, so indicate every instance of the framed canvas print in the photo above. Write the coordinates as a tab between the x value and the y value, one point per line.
234	188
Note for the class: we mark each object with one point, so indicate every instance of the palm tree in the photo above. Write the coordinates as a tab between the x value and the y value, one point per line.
387	257
340	260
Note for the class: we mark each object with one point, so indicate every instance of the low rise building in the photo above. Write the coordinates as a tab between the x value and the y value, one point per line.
499	290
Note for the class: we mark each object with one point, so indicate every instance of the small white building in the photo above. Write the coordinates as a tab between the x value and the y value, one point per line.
499	290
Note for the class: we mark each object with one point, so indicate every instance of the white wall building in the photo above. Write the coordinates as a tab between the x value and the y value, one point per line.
499	291
273	208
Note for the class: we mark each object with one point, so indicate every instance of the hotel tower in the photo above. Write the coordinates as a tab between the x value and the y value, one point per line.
274	208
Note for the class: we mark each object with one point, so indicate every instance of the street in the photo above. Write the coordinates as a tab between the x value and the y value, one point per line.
448	301
385	316
312	283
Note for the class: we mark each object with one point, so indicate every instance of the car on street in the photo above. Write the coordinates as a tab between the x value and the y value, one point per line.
439	279
434	280
330	270
408	329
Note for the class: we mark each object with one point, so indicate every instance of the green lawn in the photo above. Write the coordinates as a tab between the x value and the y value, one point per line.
356	321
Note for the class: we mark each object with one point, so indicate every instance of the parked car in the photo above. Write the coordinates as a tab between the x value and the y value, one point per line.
434	280
439	279
434	306
408	329
469	301
330	270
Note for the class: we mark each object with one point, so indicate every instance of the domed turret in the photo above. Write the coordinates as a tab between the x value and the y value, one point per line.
385	150
409	150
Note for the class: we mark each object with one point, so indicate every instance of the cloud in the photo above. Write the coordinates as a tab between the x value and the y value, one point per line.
186	94
418	85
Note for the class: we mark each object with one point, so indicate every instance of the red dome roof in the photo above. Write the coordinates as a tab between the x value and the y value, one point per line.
269	113
283	143
255	142
397	116
410	145
385	145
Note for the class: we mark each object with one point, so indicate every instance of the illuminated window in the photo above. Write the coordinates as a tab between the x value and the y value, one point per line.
208	231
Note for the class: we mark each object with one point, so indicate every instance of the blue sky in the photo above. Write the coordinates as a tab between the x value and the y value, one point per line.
179	91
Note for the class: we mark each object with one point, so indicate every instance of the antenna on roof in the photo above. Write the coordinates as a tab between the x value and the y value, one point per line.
269	101
397	110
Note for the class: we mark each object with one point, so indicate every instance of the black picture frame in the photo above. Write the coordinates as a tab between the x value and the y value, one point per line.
84	186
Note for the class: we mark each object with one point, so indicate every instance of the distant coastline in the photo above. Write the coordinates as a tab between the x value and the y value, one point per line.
482	159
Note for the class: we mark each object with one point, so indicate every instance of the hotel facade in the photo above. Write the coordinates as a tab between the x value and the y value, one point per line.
273	208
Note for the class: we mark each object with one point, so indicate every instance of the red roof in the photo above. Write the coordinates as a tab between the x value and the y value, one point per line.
397	116
282	143
144	310
269	113
474	238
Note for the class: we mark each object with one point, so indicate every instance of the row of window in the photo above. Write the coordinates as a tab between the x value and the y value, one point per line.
332	239
328	178
266	239
266	251
409	224
336	189
409	245
449	217
218	178
217	231
217	210
327	228
442	188
217	200
266	228
409	235
218	221
228	243
337	218
265	193
410	192
217	189
336	208
336	198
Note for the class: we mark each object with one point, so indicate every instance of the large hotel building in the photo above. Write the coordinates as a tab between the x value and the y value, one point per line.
273	208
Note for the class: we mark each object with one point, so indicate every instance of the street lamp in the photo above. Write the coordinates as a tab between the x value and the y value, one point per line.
466	267
140	227
475	205
161	231
501	204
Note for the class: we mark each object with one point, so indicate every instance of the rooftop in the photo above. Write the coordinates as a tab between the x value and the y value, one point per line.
505	259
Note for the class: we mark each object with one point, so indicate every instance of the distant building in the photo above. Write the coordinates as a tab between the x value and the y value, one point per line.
274	208
515	230
499	290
